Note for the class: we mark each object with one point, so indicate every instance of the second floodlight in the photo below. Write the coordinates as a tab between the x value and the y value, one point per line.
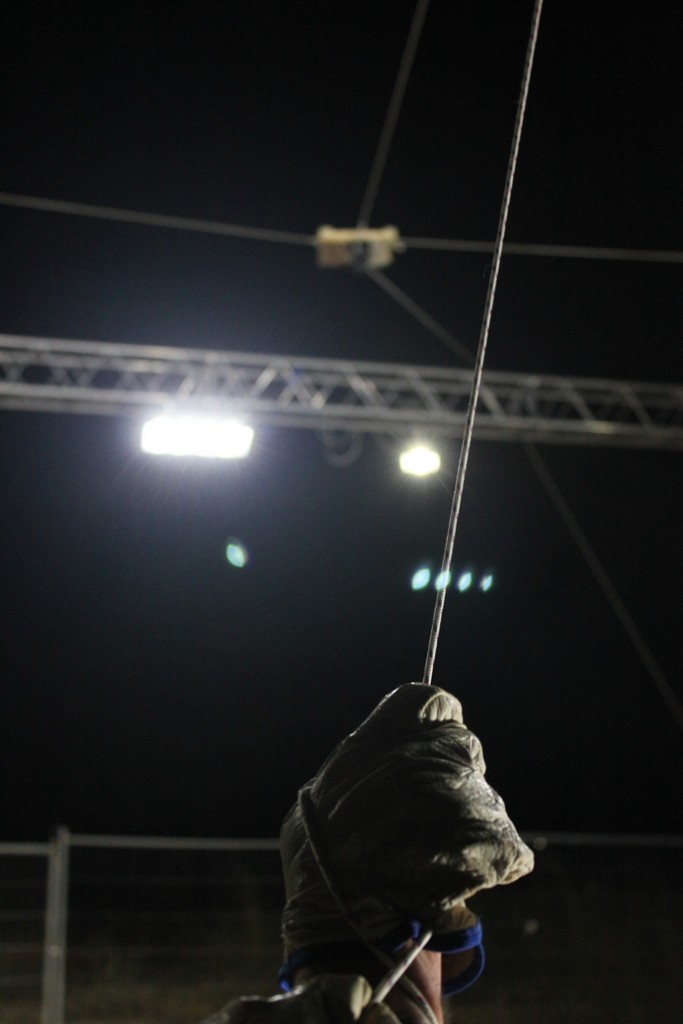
420	460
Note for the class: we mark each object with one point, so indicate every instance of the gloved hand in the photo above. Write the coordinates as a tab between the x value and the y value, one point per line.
402	822
328	999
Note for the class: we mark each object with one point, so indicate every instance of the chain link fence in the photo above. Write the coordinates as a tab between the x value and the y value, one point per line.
23	891
167	930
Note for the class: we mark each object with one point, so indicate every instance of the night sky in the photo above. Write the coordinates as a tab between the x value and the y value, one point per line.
148	687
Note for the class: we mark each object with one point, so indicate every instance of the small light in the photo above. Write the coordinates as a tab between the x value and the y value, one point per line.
442	580
236	554
464	582
486	582
207	437
420	579
419	461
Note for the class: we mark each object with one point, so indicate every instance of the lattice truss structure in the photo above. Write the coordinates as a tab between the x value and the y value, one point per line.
327	394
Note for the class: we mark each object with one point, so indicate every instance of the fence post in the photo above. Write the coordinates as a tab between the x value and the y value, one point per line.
54	950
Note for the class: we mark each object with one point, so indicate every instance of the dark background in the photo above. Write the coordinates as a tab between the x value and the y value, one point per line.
149	687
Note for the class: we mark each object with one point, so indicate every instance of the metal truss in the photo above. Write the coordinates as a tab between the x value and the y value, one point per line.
330	395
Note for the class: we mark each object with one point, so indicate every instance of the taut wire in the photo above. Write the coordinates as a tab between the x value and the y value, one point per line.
481	348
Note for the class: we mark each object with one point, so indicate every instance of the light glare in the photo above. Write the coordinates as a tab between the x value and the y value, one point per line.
420	579
236	554
206	437
464	582
486	582
419	461
442	580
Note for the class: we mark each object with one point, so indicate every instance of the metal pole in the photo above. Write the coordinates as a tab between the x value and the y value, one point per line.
54	953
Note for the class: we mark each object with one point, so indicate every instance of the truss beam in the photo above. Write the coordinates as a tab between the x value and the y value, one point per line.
91	377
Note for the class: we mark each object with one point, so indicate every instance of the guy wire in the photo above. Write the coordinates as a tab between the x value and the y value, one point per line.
389	126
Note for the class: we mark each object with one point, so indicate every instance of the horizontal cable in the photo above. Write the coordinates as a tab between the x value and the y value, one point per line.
583	252
210	227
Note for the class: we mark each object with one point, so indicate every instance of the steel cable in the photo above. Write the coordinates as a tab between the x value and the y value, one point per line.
481	348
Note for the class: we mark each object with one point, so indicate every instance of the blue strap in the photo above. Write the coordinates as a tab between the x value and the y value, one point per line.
446	943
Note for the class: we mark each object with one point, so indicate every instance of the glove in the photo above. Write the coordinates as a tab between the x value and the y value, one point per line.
327	999
398	826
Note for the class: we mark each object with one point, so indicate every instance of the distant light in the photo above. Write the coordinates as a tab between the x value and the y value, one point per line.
207	437
486	582
420	579
420	461
236	554
442	580
464	582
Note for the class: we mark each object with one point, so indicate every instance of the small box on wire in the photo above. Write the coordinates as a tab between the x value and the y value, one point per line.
360	248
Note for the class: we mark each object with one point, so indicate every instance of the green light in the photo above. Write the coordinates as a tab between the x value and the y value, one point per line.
442	580
464	582
420	579
236	554
486	582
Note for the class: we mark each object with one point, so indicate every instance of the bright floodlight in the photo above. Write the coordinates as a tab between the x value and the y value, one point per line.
420	579
420	460
464	582
442	580
208	437
486	582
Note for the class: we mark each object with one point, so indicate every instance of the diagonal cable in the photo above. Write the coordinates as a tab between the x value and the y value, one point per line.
156	220
610	592
606	585
421	315
393	110
483	340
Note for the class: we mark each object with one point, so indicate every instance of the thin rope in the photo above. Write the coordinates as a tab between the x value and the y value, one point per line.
393	110
481	349
610	592
382	990
156	220
421	315
396	974
586	252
